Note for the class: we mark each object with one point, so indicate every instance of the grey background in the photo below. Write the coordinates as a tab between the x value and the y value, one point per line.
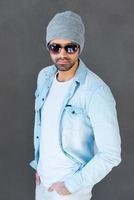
109	51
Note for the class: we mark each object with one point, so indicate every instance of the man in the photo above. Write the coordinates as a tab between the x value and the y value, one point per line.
76	133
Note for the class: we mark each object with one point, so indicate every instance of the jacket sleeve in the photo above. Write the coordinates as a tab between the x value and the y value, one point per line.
103	116
34	163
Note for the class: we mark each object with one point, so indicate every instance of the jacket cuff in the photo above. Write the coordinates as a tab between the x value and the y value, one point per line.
33	164
74	183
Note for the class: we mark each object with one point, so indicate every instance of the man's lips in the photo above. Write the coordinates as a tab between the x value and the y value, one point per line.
61	62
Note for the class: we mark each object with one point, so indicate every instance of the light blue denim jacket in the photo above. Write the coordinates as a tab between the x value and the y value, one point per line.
89	132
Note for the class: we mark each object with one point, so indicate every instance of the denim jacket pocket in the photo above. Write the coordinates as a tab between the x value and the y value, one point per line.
73	117
39	101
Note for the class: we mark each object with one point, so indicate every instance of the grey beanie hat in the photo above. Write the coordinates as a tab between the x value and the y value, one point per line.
66	25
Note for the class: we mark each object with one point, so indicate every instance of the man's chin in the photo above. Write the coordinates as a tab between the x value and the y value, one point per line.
63	67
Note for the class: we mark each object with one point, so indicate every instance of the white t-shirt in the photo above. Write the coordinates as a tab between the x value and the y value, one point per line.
53	165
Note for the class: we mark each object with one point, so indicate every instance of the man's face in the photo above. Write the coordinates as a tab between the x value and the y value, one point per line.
63	60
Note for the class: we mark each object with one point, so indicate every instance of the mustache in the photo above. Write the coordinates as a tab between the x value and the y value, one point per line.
59	59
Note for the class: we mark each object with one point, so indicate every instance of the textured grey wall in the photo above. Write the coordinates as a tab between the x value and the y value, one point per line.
109	51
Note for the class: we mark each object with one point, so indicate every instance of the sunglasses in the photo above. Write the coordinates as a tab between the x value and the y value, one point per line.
69	48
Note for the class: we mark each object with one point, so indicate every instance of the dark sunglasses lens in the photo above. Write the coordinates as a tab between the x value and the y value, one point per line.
54	48
71	48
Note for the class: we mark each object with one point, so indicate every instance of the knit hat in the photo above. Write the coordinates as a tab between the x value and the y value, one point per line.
66	25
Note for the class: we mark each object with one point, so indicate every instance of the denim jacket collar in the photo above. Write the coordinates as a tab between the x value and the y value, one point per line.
80	74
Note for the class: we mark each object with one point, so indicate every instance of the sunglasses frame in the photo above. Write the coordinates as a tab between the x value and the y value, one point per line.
75	45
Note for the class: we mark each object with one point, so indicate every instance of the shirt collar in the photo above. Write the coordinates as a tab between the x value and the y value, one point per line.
81	72
79	76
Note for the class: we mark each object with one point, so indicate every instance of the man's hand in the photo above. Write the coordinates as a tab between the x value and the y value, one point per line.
37	178
60	188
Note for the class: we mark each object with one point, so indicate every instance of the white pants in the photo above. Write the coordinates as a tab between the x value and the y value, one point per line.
42	193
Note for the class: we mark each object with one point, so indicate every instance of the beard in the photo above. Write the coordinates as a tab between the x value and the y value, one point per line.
64	64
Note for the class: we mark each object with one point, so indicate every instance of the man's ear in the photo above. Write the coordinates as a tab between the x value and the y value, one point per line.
79	51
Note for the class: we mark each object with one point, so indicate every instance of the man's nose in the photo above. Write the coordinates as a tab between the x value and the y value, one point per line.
63	53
